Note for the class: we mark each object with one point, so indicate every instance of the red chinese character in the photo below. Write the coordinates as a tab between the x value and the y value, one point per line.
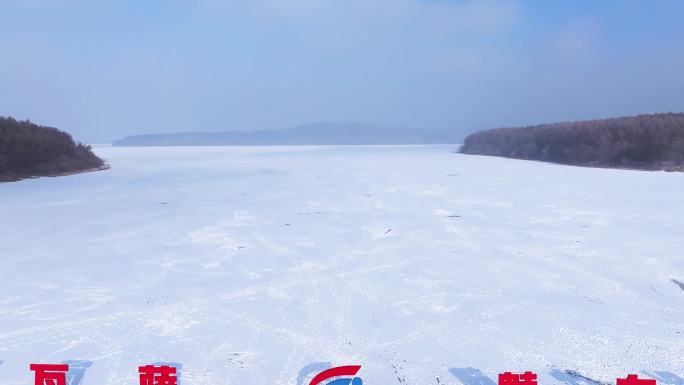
157	375
47	374
527	378
633	379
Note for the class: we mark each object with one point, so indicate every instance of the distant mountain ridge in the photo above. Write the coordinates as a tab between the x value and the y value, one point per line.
324	133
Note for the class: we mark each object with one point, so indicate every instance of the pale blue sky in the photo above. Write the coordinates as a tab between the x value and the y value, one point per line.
105	69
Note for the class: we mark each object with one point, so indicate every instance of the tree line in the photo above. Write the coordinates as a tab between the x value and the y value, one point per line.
28	150
653	142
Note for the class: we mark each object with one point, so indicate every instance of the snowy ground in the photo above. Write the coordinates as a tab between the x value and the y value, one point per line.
245	265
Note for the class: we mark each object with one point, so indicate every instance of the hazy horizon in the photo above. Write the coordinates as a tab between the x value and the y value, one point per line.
103	70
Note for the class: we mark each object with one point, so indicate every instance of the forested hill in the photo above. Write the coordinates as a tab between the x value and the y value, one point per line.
28	150
324	133
651	142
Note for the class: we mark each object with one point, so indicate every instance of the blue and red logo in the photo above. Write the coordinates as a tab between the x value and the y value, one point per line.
340	375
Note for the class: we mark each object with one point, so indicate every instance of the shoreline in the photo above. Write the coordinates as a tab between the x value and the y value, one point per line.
677	168
93	169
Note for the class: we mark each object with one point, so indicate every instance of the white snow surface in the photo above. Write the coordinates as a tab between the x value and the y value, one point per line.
245	264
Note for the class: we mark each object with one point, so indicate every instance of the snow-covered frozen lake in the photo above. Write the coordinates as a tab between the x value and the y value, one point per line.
245	265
